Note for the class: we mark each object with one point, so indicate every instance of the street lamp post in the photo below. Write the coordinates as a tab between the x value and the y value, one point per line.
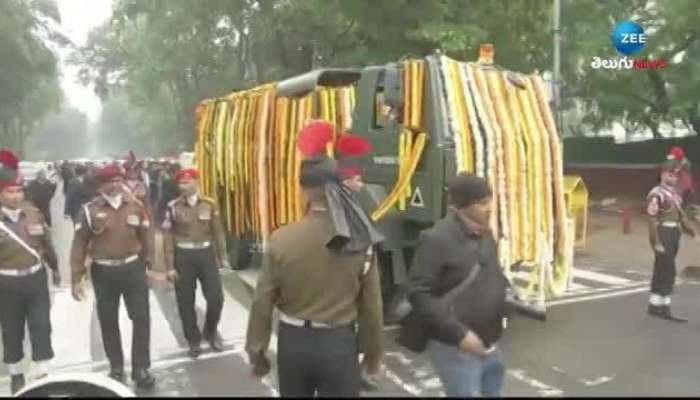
556	67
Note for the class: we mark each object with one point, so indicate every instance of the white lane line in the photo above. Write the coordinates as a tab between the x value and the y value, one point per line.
576	287
598	277
597	296
409	388
71	324
543	389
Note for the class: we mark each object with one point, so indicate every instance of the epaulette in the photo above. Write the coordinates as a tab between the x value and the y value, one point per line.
208	200
172	203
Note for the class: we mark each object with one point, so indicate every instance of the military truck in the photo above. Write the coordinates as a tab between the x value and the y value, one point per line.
427	119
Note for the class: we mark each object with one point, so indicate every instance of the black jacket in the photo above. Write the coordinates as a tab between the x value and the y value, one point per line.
444	256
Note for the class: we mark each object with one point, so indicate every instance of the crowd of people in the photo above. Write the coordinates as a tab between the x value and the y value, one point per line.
320	273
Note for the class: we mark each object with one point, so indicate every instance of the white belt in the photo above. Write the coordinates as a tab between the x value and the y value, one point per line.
670	224
193	245
22	272
302	323
117	262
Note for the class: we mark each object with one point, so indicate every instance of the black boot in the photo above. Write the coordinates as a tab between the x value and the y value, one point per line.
143	379
656	311
117	373
668	315
17	383
195	350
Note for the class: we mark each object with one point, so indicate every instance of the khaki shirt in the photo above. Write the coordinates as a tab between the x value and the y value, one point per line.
198	223
105	233
34	231
305	279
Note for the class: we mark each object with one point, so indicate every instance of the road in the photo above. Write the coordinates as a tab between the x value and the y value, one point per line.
597	341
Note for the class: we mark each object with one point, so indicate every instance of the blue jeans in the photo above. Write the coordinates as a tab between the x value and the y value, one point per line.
464	375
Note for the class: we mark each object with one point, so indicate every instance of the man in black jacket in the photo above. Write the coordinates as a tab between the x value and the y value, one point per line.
463	335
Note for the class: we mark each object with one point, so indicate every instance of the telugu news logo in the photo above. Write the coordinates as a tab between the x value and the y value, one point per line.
629	38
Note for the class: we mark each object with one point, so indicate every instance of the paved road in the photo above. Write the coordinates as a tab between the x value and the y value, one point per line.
597	341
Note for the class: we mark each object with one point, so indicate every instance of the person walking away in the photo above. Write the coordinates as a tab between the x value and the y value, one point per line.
323	279
113	230
40	192
463	335
195	249
82	192
169	189
666	222
25	251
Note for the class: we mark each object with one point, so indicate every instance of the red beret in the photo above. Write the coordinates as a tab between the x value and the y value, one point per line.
9	183
187	173
9	159
109	172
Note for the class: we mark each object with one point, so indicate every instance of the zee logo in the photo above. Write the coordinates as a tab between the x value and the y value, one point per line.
629	38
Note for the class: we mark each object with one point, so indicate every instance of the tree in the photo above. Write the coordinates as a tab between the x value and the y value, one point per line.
29	89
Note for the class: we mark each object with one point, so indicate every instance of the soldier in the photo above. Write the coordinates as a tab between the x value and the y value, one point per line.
320	273
25	249
113	230
195	248
666	220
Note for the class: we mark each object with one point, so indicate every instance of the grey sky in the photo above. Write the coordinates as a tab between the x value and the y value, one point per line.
77	18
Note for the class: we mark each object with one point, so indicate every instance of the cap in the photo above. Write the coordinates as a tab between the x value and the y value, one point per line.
9	159
314	137
348	149
16	181
9	175
186	173
109	172
466	189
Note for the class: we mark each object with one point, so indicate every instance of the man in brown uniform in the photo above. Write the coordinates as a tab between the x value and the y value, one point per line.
667	220
25	249
322	277
195	246
114	230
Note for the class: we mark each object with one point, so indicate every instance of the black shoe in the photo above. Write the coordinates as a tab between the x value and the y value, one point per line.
668	315
656	311
215	343
195	350
17	383
143	379
117	374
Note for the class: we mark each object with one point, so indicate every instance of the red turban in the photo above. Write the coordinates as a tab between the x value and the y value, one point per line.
109	172
187	173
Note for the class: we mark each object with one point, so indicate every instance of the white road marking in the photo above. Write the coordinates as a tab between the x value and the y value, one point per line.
409	388
598	277
598	381
598	296
543	389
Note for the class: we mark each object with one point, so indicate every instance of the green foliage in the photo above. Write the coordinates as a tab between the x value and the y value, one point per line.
29	89
162	56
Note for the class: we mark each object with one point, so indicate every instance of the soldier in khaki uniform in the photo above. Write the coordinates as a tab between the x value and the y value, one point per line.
114	231
195	248
667	220
321	275
25	250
